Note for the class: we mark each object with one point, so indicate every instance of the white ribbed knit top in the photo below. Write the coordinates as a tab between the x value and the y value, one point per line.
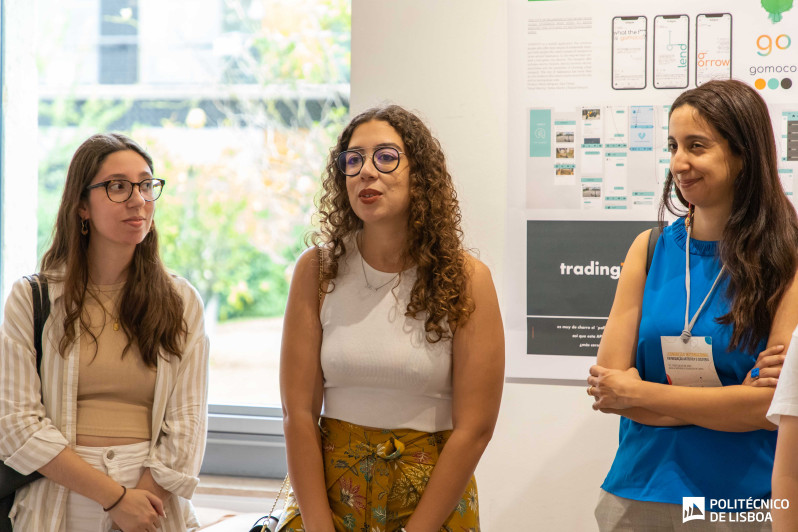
379	370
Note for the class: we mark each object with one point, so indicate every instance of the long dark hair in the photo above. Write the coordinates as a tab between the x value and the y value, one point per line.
150	309
440	287
759	247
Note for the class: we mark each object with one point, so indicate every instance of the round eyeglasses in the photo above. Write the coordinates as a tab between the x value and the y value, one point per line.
386	160
120	190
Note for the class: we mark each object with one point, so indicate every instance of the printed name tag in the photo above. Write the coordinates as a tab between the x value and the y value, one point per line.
691	363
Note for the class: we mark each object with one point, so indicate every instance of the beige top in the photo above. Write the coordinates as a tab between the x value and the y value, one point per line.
115	392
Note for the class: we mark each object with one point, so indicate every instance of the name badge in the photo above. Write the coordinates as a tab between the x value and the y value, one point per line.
691	363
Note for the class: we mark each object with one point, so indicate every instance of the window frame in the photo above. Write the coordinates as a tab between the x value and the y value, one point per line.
245	441
2	142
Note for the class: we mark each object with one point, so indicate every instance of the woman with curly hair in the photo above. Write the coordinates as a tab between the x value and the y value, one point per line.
393	349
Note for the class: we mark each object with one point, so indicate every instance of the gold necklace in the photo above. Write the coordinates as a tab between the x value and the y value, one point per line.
106	312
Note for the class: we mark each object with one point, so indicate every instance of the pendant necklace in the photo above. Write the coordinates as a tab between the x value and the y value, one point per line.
368	284
115	324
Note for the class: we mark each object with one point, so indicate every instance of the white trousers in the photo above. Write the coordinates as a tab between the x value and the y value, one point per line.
123	463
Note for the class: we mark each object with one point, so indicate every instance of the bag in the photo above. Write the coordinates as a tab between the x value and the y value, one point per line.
268	523
653	239
10	479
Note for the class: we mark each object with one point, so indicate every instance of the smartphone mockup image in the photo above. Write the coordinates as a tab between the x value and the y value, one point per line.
629	52
713	58
671	51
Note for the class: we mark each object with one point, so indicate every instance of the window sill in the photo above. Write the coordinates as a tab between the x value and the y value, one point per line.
239	486
232	504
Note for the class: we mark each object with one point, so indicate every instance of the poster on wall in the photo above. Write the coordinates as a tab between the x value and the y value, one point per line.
590	88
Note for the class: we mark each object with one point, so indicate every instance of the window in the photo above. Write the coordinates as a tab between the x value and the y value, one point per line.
238	102
118	42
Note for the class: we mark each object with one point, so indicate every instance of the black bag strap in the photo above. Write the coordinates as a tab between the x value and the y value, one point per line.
653	238
41	311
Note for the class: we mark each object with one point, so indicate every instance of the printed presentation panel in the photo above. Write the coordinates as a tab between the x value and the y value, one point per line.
590	90
574	284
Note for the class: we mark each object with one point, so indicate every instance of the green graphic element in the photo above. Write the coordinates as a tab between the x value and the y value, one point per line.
773	83
775	8
540	132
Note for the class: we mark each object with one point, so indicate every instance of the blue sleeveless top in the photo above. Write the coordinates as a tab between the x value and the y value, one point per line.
664	464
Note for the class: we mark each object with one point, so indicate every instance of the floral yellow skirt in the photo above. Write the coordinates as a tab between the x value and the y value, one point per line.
375	479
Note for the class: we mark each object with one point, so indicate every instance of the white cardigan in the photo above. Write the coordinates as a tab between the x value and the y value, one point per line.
35	429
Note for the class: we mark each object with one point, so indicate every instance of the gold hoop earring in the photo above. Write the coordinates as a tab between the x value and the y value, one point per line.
84	226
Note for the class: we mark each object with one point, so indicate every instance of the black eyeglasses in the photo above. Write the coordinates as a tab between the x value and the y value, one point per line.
386	160
120	190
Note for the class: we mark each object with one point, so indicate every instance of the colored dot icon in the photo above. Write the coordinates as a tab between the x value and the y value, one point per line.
773	83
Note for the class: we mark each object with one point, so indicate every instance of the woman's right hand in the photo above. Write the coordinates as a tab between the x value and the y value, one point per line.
138	511
769	363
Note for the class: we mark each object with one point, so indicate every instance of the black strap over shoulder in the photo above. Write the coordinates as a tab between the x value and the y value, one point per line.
10	479
41	311
653	238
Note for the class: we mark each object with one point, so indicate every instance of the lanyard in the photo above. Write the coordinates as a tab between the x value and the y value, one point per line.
688	325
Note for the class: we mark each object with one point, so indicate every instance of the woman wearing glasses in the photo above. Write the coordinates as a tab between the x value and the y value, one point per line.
393	350
116	423
683	357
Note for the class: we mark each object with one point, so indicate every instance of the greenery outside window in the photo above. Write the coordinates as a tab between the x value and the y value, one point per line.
238	102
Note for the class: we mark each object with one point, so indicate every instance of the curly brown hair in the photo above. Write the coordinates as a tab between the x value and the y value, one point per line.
434	237
151	309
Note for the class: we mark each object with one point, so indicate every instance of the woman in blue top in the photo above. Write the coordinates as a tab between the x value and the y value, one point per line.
693	349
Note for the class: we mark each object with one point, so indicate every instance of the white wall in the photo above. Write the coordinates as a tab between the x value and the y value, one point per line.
447	60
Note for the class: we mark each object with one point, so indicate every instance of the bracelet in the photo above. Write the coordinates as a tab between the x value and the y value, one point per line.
124	491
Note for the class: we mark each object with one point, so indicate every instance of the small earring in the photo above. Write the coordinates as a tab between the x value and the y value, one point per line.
84	226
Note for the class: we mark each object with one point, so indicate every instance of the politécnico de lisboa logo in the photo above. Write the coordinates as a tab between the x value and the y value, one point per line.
693	508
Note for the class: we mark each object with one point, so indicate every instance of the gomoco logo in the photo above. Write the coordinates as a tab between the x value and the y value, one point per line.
767	44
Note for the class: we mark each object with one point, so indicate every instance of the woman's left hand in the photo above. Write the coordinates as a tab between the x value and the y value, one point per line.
768	366
613	388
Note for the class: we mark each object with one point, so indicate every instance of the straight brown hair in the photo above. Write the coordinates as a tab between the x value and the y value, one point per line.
759	247
150	309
